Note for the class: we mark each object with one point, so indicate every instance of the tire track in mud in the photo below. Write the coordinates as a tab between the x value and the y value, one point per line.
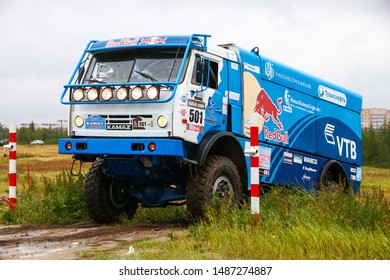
66	242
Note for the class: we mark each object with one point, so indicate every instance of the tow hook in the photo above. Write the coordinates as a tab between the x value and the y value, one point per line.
77	172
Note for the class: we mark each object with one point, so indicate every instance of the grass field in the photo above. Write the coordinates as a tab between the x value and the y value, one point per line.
41	160
376	178
294	224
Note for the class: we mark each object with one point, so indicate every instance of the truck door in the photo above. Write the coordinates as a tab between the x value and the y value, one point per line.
235	98
206	97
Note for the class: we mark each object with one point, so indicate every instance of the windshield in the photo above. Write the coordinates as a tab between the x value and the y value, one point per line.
135	65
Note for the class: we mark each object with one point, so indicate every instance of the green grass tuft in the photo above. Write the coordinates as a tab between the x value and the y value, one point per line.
53	201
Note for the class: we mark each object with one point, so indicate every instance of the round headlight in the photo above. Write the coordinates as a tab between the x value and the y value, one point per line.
162	121
78	94
137	93
121	93
152	92
79	121
92	94
107	93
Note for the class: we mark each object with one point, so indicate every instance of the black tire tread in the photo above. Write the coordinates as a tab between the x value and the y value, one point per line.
96	195
197	191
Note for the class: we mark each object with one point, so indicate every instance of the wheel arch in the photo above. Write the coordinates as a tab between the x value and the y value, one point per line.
221	143
336	170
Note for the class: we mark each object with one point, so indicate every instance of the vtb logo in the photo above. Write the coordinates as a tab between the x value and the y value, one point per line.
346	147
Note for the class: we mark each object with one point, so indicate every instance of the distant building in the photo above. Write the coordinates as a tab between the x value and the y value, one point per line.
375	117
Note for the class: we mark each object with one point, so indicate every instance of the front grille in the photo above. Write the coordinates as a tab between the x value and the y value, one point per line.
117	119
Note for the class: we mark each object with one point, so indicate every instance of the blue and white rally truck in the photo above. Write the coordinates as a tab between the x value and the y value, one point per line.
166	120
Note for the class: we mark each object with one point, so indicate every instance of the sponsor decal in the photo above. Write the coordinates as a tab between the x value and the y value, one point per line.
252	68
183	99
264	161
270	73
287	158
269	70
135	41
196	104
309	169
152	41
359	174
328	132
298	104
210	106
95	122
234	95
183	112
276	135
197	95
267	108
298	159
194	127
224	105
287	108
234	66
141	122
292	80
287	154
123	42
197	42
346	147
332	95
119	127
310	160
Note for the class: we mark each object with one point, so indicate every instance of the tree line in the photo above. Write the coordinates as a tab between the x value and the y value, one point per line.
376	142
376	146
25	135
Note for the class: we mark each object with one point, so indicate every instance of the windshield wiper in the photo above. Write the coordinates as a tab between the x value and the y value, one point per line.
147	76
174	63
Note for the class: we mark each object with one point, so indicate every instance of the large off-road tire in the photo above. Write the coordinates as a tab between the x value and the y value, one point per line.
217	178
332	178
103	198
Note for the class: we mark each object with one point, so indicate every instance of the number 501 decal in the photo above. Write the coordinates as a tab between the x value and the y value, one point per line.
196	116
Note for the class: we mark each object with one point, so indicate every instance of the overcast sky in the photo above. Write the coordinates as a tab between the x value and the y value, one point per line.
344	42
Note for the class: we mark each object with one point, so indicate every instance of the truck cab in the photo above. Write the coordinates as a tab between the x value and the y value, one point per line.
150	112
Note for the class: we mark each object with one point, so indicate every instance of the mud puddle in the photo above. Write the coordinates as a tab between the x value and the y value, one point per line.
67	242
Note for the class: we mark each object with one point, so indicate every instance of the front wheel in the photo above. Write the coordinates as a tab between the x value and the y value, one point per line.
217	178
105	197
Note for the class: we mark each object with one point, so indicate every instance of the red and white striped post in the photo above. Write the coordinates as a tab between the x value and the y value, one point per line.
12	167
254	161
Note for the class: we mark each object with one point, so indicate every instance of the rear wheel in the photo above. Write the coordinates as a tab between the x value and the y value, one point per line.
333	178
105	197
217	178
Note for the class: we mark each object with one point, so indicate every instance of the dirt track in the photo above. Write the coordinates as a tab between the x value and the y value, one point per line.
67	242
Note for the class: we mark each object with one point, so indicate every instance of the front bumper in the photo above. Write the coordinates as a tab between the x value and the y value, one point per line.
121	146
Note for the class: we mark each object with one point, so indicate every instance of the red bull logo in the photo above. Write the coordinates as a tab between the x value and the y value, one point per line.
152	41
276	135
123	42
267	109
